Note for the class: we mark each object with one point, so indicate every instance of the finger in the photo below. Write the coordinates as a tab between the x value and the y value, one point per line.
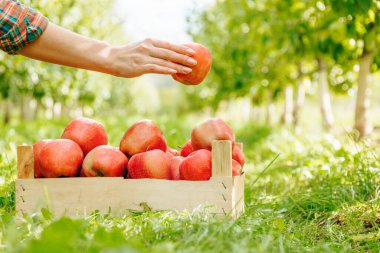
181	49
157	69
172	56
178	67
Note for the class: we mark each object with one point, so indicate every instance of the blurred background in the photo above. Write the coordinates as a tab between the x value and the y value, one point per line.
309	65
298	81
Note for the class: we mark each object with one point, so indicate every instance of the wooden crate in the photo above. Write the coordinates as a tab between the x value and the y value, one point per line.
222	194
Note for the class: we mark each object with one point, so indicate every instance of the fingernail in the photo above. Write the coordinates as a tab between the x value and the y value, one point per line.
173	71
190	51
191	61
186	70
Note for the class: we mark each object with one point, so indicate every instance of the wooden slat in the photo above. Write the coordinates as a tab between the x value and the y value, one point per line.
73	196
221	159
25	162
238	196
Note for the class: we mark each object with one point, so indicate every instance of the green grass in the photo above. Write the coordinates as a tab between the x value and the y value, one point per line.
322	194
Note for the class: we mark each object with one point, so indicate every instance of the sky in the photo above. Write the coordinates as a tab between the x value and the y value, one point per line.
160	19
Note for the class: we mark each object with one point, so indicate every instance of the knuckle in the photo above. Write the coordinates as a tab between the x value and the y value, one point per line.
177	67
173	56
166	44
148	40
144	47
151	68
185	58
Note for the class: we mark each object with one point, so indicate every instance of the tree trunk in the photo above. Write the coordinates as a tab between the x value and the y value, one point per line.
22	107
269	110
7	111
53	110
37	109
362	124
65	110
25	107
299	101
324	96
287	116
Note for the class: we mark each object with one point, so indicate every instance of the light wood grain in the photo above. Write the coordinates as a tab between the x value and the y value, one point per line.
221	159
25	162
72	196
238	196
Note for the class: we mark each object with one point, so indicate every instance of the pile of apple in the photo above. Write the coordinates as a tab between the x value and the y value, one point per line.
83	150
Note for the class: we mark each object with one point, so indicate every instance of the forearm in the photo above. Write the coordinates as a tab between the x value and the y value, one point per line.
60	46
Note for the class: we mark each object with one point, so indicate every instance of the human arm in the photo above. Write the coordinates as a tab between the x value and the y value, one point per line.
61	46
26	32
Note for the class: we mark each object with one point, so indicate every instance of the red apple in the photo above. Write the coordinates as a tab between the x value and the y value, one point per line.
150	164
175	162
88	133
142	136
238	155
36	153
186	149
105	161
196	166
236	168
60	158
172	152
199	72
211	129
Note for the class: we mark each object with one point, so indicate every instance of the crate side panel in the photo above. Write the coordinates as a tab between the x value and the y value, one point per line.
68	196
72	196
215	196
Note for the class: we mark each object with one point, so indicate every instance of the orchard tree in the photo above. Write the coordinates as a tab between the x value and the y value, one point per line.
24	80
361	20
244	61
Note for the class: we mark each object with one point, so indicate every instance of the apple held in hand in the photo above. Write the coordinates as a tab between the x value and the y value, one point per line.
196	166
105	161
175	162
36	153
60	158
150	164
199	72
88	133
142	136
211	129
186	149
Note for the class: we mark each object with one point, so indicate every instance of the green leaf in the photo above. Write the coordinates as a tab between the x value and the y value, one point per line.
46	214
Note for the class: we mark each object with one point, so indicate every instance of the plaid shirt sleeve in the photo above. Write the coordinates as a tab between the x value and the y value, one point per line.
19	25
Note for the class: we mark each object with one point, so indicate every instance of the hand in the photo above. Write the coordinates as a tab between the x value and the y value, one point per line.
150	56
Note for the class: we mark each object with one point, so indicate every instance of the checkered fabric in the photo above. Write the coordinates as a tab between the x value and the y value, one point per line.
19	25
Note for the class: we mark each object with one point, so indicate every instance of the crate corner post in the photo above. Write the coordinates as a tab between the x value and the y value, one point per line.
222	171
25	170
238	194
25	162
221	159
